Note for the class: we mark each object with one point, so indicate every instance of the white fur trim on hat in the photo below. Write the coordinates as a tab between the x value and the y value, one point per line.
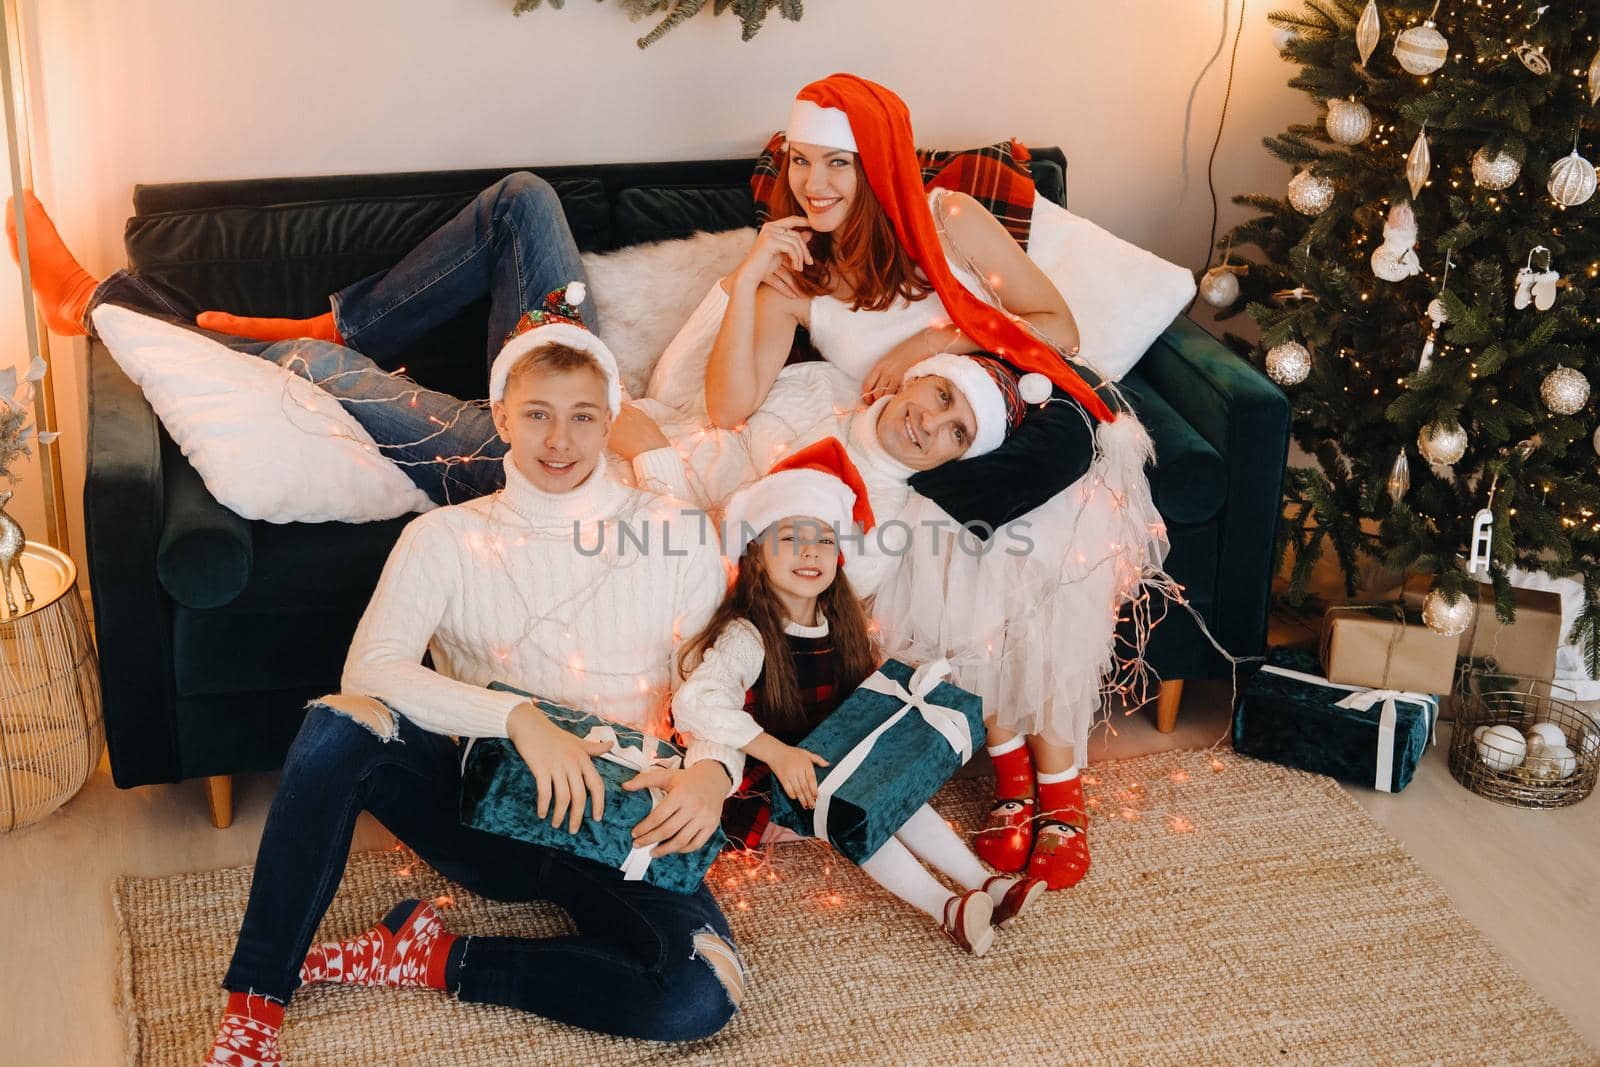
810	494
561	333
981	392
811	123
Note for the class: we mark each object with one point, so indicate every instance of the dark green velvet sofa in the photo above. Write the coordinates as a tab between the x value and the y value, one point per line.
214	631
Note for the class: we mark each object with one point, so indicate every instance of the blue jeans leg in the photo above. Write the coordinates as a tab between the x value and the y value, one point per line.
511	244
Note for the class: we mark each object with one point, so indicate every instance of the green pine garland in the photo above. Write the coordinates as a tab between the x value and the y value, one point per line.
752	13
1366	399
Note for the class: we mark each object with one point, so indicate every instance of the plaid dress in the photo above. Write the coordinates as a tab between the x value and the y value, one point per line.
746	812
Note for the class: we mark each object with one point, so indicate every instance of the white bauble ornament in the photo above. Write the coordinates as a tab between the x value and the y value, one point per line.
1219	287
1572	180
1502	748
1288	363
1450	618
1494	172
1421	49
1368	31
1418	162
1564	759
1477	735
1438	312
1442	444
1564	391
1545	735
1310	194
1348	121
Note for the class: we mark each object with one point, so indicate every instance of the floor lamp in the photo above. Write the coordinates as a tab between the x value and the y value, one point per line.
13	88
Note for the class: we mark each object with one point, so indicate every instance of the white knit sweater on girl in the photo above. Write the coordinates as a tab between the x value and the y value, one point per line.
549	592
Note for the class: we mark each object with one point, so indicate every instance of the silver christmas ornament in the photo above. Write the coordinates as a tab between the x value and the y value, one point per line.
1368	30
1399	478
1219	287
1596	441
1288	363
1572	180
1494	172
1438	312
1348	121
1564	391
1594	80
1446	617
1421	49
1442	443
1310	194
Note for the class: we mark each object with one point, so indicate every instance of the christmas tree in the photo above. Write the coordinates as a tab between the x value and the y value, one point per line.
1427	296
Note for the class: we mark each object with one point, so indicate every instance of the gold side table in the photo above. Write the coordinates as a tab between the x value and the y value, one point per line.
51	733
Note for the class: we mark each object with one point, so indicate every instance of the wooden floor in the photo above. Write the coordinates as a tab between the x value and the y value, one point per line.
1530	880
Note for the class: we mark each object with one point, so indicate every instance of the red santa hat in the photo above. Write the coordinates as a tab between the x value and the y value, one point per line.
558	322
878	125
817	482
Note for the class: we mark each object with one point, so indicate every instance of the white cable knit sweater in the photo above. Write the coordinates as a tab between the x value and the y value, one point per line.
502	589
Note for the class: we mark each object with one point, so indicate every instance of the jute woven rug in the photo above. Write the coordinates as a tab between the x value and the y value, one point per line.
1247	914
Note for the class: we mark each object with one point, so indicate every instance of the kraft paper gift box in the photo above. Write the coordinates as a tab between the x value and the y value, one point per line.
498	795
890	746
1290	714
1374	646
1525	647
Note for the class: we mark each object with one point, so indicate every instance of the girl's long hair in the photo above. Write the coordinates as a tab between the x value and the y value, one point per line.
752	597
863	253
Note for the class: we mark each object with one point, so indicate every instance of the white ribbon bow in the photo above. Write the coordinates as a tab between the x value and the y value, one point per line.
1362	700
951	724
635	758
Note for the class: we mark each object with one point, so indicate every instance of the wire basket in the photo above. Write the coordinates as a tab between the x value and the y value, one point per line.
1500	767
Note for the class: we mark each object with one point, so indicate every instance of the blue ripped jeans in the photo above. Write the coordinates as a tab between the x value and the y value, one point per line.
633	968
511	244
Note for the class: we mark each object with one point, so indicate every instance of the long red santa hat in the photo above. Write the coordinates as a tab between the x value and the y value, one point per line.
876	125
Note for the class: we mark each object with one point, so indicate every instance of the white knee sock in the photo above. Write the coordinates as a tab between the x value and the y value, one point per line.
930	838
899	872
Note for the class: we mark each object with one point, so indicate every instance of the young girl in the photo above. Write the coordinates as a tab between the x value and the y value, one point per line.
788	644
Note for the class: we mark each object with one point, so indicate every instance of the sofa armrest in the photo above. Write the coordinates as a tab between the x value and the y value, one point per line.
204	554
123	508
1246	419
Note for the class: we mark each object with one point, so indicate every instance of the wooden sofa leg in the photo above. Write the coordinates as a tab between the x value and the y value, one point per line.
1167	706
219	791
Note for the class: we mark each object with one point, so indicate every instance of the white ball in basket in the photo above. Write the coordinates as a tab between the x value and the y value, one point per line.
1545	735
1556	762
1502	748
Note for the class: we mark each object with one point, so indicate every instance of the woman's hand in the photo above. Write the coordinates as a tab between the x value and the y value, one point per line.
691	811
562	766
633	433
887	375
780	251
796	770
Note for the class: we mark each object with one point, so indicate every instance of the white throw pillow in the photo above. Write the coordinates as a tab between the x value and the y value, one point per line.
269	445
646	293
1122	297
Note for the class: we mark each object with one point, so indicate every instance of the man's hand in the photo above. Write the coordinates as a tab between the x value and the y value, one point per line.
633	433
562	766
691	811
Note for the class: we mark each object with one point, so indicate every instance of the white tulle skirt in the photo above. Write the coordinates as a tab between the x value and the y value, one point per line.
1031	624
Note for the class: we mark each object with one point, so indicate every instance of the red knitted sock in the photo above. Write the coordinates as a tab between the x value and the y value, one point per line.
248	1036
1061	850
62	286
1006	839
407	950
317	327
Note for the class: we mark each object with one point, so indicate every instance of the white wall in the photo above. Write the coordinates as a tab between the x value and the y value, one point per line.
133	91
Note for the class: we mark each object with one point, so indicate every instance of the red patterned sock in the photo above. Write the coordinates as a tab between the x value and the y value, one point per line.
248	1036
1061	848
1006	839
407	950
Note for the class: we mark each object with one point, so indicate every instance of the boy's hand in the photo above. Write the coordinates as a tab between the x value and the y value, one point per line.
691	811
562	766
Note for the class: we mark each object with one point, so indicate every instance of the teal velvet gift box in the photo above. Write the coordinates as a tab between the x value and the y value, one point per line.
498	795
890	745
1291	714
